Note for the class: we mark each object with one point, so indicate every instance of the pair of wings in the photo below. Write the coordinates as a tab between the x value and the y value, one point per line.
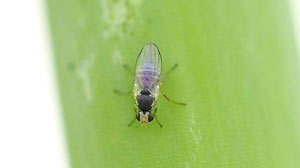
148	67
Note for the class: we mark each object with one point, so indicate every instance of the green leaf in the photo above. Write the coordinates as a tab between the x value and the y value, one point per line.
238	72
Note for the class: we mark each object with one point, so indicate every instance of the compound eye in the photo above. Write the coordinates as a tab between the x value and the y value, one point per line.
150	117
137	116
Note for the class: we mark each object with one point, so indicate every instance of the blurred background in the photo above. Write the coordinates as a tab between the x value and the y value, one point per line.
30	124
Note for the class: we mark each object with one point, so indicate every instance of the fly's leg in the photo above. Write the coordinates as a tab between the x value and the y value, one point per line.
128	69
172	69
122	92
173	101
155	117
169	71
131	122
134	118
164	78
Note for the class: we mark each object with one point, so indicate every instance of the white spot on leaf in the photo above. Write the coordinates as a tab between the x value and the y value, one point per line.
116	57
116	14
83	74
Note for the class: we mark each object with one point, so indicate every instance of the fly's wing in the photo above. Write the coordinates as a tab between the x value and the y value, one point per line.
148	68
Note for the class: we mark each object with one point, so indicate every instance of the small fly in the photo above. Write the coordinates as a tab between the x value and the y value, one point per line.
148	79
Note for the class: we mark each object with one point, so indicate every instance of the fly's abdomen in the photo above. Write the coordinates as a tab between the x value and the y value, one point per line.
148	77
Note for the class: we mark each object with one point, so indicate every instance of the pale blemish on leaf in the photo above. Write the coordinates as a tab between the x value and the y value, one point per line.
116	57
186	165
118	16
81	22
83	74
194	130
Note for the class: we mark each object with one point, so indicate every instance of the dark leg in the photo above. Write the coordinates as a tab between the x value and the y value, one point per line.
165	76
157	119
134	118
172	69
122	92
176	102
128	69
131	122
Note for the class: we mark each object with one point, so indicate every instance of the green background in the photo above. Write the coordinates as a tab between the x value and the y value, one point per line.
238	71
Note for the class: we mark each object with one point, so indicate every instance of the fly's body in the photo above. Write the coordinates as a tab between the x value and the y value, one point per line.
147	82
146	86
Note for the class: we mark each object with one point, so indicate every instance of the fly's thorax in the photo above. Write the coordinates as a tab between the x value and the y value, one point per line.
145	103
145	100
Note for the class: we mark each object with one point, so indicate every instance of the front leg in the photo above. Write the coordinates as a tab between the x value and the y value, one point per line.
128	69
173	101
155	117
165	75
122	92
134	118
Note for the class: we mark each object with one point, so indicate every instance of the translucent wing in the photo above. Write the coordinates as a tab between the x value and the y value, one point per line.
148	68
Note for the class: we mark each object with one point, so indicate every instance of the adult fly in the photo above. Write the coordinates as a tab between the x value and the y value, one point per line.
147	82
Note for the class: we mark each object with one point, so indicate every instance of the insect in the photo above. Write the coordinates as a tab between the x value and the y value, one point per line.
148	79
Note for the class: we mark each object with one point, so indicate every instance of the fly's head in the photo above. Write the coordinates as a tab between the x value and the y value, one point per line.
145	102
